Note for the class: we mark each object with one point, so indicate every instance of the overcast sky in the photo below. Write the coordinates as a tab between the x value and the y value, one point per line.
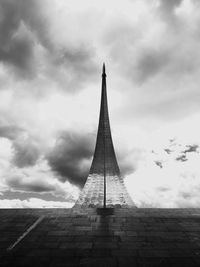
51	55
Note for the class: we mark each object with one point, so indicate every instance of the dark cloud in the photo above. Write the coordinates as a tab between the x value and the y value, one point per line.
163	189
26	153
26	149
182	158
150	63
186	195
168	151
19	54
71	157
17	183
23	28
128	159
14	13
126	167
72	67
159	164
10	131
167	8
191	148
16	44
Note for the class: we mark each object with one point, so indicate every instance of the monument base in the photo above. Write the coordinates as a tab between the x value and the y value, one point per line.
127	238
105	211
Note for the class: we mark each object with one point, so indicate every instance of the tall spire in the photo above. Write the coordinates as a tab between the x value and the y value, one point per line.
104	185
104	156
104	70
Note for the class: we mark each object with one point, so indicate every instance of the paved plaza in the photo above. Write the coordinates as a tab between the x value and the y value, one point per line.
128	237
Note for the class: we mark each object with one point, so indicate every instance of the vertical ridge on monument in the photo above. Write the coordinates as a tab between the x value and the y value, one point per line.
105	185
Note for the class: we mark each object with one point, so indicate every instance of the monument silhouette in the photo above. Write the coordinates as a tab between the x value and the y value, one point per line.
105	185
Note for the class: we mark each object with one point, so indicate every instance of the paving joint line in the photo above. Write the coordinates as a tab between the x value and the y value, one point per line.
11	247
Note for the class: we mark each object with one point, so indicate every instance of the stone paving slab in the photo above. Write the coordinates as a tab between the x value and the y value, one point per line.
129	237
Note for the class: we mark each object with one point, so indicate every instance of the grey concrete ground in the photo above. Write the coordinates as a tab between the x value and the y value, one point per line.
129	237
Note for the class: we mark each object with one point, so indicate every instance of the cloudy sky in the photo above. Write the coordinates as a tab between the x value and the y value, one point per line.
51	55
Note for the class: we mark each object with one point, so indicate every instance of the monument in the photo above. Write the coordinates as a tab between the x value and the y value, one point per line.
105	185
142	237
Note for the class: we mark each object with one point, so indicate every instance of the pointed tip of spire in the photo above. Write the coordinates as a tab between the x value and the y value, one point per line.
104	69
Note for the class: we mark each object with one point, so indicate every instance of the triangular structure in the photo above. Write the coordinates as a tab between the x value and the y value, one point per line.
104	186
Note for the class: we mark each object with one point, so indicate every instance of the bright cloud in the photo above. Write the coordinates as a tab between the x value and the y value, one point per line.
33	203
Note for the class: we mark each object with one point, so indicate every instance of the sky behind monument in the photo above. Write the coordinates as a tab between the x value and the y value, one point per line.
51	55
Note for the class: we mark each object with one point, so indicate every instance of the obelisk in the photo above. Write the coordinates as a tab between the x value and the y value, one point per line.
105	185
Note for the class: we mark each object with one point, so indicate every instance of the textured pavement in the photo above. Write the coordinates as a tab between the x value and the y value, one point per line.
129	237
